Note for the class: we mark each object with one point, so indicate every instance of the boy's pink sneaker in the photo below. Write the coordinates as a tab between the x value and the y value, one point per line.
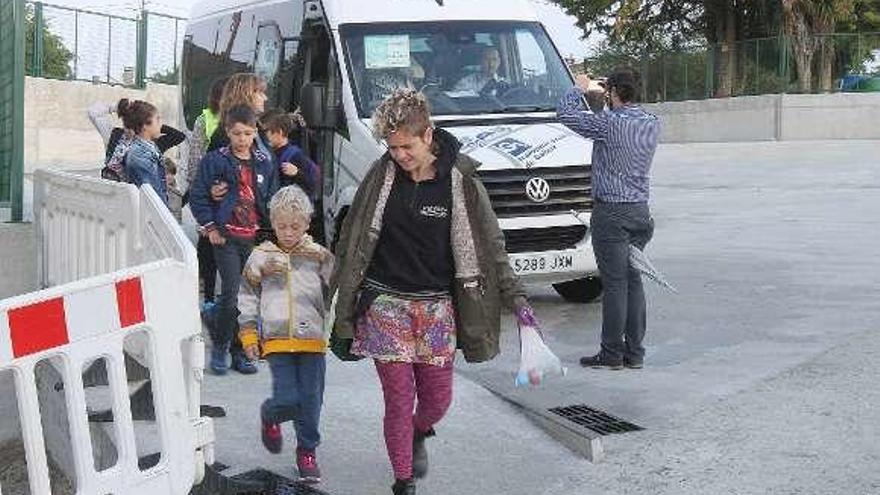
307	465
272	438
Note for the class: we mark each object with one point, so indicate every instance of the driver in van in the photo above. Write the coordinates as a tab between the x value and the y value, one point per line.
487	81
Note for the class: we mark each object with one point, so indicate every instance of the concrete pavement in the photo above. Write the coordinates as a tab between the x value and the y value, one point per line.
760	375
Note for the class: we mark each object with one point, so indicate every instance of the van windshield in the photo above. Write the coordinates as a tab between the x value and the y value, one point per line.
464	68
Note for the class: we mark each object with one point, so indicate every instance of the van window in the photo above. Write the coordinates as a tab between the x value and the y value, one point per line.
268	53
247	40
464	68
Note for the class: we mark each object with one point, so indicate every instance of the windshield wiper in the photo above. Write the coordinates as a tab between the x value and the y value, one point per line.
525	109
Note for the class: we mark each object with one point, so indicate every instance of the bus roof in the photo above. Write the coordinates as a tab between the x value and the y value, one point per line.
372	11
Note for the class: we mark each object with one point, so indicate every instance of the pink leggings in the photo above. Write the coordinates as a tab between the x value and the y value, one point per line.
401	384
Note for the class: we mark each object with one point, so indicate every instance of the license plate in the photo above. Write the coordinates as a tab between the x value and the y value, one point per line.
542	263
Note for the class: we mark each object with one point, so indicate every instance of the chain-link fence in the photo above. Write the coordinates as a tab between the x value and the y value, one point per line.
77	44
819	64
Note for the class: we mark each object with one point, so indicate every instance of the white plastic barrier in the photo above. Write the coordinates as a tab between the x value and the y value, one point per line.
85	226
119	270
88	226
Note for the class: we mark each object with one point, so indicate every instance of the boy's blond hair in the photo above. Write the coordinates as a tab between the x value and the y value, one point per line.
290	200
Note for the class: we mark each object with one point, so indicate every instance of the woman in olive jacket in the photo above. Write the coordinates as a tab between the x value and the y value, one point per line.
422	270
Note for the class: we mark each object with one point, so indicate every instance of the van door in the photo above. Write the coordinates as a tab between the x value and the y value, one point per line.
326	120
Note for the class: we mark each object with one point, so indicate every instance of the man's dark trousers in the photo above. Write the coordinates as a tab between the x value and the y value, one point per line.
616	226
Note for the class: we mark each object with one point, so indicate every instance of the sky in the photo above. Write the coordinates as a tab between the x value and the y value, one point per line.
93	31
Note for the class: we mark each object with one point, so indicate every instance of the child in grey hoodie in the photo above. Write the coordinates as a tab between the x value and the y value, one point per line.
284	286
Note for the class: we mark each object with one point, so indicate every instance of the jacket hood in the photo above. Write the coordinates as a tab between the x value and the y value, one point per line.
446	147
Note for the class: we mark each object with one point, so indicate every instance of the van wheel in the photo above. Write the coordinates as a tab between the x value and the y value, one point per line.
582	290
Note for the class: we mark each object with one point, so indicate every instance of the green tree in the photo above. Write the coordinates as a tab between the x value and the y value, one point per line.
56	57
807	23
648	26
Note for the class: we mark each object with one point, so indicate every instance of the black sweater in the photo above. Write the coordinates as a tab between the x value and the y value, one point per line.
414	251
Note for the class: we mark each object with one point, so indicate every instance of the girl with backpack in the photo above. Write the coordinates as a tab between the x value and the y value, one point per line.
100	116
143	163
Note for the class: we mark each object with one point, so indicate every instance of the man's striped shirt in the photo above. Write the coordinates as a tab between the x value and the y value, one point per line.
624	142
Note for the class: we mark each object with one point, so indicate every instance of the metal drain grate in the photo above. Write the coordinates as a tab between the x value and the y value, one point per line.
255	482
594	419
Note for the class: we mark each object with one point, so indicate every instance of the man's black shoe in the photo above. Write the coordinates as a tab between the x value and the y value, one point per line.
633	364
600	361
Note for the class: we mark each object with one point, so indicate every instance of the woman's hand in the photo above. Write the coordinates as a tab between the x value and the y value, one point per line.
289	169
216	238
525	315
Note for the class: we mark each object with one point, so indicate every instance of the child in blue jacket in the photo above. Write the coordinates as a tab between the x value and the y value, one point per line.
231	223
295	167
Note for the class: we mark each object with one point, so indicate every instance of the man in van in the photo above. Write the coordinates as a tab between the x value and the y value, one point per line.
487	80
624	141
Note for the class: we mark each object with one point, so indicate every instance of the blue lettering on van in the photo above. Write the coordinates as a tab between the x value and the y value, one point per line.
512	147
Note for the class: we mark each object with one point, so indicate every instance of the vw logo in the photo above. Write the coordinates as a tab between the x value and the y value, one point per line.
538	189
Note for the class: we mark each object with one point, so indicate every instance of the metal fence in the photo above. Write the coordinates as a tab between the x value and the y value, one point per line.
840	62
76	44
11	106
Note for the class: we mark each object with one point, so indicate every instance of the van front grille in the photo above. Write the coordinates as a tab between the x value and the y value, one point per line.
544	239
570	189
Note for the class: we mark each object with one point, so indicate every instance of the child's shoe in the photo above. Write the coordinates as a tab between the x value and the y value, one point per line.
272	437
218	360
307	465
243	365
404	487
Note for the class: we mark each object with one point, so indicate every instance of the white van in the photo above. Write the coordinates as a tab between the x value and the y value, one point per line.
489	69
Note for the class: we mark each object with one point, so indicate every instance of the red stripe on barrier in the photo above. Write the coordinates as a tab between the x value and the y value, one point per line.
37	327
130	301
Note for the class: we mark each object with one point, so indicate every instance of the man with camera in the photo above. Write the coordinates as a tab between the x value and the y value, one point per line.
624	141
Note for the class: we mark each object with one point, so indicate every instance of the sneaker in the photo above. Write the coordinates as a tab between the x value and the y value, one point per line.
420	454
272	437
243	365
600	361
307	466
404	487
218	361
633	364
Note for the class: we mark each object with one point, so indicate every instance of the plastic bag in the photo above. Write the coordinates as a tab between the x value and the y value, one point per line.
536	359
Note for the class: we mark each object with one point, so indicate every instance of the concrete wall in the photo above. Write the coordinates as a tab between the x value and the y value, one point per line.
57	129
771	117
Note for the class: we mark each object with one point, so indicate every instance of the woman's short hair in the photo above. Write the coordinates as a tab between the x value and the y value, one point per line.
240	114
135	114
404	109
240	89
290	200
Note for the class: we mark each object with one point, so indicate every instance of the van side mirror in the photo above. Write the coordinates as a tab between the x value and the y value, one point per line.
314	108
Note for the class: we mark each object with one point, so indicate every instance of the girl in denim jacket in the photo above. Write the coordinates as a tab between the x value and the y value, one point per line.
143	162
